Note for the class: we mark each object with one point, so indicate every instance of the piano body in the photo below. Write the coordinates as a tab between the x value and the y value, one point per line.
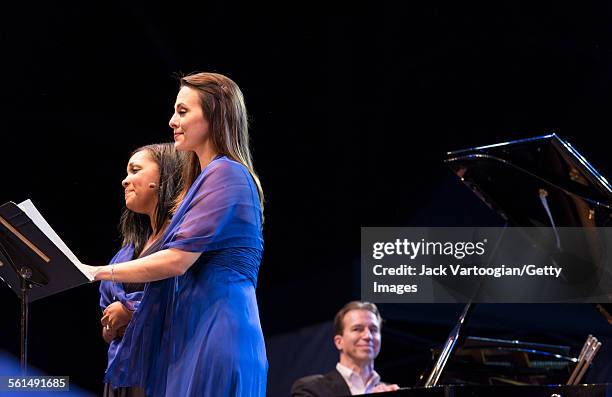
535	182
592	390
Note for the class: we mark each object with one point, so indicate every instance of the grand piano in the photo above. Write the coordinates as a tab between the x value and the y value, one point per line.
534	182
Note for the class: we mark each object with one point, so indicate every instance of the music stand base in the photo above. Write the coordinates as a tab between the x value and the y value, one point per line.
25	273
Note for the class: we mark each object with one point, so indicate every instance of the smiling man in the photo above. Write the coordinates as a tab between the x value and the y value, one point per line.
357	337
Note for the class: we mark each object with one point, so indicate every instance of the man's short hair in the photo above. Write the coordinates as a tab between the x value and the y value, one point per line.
354	305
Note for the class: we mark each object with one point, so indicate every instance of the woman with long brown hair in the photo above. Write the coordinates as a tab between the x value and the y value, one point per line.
197	330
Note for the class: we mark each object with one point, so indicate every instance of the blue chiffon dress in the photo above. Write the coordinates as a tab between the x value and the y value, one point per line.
111	292
199	334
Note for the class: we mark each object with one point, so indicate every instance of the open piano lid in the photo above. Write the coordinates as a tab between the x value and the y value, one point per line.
511	177
514	179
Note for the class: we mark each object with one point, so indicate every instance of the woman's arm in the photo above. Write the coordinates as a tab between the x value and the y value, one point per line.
158	266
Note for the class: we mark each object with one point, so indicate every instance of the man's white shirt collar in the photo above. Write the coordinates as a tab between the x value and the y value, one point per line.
354	381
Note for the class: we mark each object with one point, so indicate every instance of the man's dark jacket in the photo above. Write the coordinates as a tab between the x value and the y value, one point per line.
331	384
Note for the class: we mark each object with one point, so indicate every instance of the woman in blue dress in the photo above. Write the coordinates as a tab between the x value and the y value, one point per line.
151	187
197	330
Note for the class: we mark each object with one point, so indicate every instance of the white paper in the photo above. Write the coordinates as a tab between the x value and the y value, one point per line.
30	210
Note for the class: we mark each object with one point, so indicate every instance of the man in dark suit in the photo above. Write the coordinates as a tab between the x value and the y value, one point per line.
357	338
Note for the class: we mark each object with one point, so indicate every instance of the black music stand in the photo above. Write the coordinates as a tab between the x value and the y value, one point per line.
32	265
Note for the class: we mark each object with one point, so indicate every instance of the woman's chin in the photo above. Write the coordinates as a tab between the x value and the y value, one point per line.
134	208
180	146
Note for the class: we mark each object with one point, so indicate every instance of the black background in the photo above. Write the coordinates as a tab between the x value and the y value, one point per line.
351	115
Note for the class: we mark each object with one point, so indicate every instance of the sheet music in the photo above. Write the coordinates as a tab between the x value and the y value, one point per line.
32	212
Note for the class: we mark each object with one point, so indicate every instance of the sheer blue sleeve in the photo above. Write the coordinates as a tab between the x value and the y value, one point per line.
110	290
220	210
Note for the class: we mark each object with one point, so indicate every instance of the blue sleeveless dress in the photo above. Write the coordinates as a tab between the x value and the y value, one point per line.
199	334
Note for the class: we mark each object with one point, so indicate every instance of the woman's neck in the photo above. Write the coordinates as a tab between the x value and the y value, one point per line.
206	154
154	234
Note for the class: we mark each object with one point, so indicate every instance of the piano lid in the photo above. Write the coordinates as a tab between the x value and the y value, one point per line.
541	181
521	179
